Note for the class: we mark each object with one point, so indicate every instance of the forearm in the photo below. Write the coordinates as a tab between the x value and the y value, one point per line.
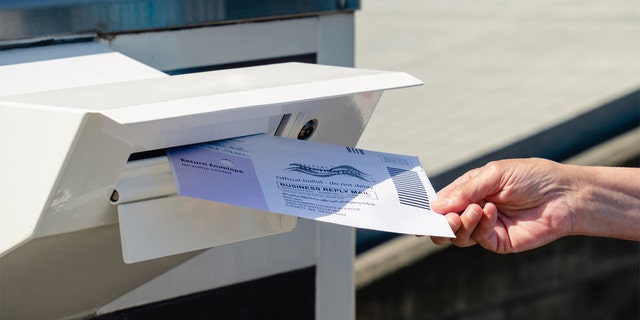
606	202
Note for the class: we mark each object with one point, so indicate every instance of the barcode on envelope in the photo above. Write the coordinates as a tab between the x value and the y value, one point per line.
355	150
411	191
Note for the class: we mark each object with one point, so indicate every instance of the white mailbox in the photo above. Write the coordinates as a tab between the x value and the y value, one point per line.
80	159
68	149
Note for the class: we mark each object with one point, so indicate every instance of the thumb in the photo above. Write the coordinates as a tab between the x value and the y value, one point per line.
473	187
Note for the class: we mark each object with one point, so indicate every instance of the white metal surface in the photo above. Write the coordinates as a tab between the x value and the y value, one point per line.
155	222
166	226
236	263
144	179
336	39
67	157
27	70
47	131
130	102
330	37
152	114
335	293
86	151
331	248
59	276
190	48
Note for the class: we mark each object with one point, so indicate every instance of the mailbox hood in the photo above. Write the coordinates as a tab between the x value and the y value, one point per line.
217	91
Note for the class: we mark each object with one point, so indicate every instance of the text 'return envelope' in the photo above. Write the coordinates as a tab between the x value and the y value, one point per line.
329	183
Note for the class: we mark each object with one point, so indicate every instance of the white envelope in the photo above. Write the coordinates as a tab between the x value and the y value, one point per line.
335	184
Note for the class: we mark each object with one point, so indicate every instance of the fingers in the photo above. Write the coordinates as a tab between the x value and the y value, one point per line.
463	226
469	220
473	187
485	233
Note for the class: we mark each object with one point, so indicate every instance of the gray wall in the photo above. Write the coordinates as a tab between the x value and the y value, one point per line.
573	278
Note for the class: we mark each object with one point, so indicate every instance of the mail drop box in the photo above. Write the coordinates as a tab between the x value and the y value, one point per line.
81	160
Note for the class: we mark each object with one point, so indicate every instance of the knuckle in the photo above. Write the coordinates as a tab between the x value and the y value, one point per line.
493	167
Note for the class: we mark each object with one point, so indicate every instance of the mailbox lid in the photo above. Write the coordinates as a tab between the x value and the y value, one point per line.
178	96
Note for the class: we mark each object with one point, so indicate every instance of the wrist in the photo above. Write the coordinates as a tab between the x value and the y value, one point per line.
582	195
570	184
606	202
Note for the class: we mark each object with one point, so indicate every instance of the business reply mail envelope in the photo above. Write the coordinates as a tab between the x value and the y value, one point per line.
329	183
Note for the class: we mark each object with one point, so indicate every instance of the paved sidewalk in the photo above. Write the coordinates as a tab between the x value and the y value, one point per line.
495	71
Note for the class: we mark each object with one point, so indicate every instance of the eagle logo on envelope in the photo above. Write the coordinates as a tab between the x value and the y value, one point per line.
342	170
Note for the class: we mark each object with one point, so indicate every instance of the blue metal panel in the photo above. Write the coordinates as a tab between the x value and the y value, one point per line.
21	19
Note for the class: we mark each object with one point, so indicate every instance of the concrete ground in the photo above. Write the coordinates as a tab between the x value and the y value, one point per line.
494	71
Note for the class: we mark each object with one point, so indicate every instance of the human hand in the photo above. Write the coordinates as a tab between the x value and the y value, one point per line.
508	206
